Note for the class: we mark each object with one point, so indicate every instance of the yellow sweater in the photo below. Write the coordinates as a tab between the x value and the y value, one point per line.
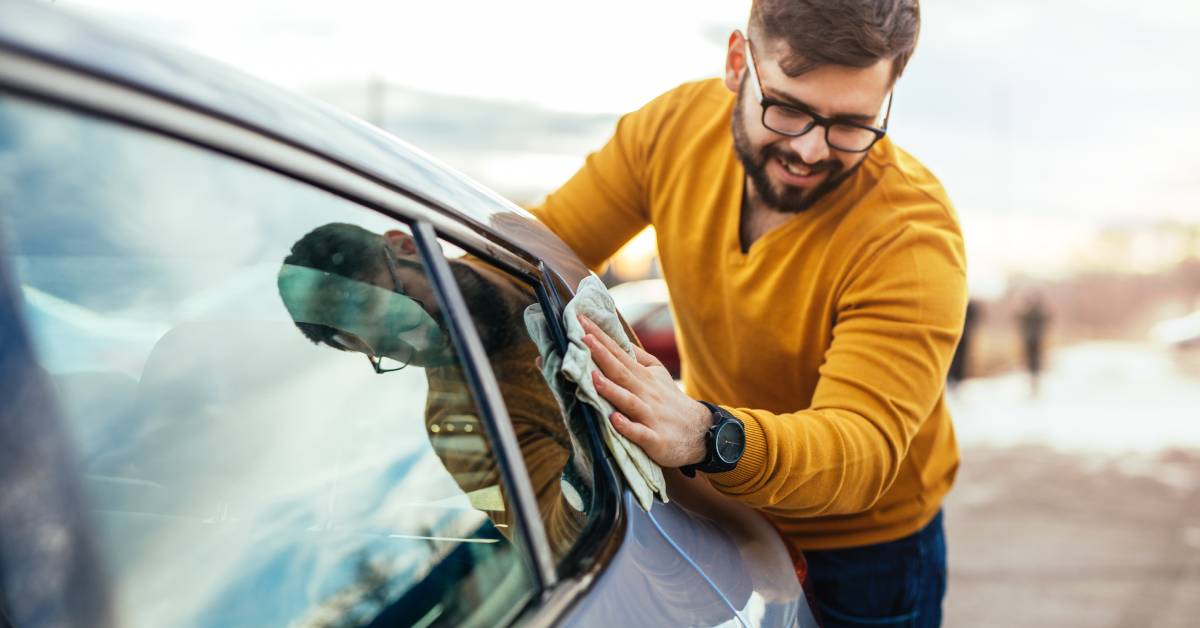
830	338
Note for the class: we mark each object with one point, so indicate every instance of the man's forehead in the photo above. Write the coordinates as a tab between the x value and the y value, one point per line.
828	88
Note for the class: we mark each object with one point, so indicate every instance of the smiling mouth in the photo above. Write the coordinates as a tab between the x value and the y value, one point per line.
797	169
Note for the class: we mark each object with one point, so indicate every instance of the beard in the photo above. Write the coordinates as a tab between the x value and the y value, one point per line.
790	199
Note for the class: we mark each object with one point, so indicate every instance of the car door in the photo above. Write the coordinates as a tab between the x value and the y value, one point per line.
221	467
698	560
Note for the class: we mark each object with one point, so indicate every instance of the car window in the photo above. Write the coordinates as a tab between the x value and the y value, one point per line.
209	328
558	465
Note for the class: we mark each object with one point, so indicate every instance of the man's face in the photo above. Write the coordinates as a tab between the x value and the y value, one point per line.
787	174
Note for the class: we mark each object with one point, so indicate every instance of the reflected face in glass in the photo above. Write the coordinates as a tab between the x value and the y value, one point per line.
788	174
344	286
407	276
489	294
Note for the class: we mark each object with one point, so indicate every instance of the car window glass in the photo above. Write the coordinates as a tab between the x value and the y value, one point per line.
558	464
244	462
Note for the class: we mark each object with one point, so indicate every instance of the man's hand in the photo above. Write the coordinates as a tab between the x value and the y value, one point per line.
652	412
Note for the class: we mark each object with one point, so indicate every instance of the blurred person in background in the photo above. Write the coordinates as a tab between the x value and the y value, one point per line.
960	366
1032	321
818	277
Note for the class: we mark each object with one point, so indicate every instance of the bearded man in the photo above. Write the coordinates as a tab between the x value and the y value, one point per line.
817	276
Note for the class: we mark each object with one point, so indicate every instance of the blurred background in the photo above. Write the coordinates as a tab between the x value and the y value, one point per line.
1063	131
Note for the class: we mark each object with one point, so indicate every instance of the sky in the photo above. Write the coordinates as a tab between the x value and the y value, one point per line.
1047	121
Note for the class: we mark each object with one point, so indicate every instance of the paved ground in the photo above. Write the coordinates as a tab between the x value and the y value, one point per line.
1092	524
1039	538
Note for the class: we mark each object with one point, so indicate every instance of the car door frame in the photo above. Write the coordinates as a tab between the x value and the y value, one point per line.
105	97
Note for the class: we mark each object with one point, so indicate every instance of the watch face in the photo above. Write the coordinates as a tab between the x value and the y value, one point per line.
730	441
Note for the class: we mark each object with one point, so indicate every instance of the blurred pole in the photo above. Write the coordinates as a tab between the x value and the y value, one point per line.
1002	155
376	101
1193	263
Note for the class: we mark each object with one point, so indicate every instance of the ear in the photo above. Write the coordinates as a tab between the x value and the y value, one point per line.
401	242
735	61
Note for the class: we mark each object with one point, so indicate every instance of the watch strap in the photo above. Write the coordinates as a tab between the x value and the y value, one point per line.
712	463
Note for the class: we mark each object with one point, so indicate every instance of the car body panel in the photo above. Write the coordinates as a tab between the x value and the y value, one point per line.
708	565
53	581
699	560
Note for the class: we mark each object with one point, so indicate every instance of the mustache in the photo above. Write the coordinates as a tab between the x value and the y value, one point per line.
775	152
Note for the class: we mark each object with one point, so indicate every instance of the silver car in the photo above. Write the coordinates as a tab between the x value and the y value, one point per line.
180	447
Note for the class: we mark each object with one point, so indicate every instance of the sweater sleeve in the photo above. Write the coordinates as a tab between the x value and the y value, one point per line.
606	202
898	319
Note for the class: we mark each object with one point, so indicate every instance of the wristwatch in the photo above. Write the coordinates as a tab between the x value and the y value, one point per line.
724	443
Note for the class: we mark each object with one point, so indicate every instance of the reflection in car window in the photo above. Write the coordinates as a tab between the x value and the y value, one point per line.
558	465
240	471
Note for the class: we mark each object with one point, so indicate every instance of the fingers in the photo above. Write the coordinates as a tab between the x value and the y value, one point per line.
644	357
610	344
622	399
639	434
609	364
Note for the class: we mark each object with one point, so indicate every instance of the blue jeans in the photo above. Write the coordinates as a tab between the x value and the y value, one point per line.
895	584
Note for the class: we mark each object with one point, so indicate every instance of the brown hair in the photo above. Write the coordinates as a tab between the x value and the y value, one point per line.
854	33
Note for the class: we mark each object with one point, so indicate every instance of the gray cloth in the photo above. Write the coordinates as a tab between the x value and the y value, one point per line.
644	477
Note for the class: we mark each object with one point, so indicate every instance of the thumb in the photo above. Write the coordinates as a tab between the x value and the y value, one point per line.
645	358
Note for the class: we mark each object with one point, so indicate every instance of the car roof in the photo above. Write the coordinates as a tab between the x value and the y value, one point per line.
71	40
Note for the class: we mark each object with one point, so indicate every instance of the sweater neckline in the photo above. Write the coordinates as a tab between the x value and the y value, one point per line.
767	240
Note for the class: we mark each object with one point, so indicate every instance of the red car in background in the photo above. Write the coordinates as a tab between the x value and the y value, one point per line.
647	308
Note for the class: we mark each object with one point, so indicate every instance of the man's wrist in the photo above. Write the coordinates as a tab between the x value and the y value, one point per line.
702	422
724	442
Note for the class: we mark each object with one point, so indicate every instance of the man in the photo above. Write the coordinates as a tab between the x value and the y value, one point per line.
1032	321
817	275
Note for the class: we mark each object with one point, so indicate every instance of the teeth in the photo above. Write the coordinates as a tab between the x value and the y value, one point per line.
796	169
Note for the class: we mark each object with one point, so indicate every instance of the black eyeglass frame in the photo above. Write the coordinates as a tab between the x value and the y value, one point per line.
765	103
393	267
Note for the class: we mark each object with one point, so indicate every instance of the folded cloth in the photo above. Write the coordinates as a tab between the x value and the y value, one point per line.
574	369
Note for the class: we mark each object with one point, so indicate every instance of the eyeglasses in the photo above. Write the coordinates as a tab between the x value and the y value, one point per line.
393	267
350	342
795	120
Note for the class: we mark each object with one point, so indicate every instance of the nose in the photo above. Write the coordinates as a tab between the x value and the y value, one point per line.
811	146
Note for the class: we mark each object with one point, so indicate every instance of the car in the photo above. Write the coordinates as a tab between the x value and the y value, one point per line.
180	451
646	305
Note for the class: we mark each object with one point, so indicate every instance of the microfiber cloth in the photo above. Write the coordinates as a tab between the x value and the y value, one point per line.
592	300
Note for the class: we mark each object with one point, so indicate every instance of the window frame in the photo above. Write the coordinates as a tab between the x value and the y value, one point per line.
105	98
603	534
548	288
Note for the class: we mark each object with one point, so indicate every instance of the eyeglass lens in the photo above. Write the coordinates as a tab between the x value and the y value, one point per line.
790	121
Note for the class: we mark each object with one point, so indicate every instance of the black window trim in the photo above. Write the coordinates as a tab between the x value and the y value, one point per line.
607	489
482	384
579	569
549	288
